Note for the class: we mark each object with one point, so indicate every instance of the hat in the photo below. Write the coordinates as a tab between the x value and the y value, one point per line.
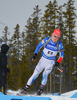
57	32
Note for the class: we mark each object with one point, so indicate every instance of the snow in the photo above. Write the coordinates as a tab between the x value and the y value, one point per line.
64	96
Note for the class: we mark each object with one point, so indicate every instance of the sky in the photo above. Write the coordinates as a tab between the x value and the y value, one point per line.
13	12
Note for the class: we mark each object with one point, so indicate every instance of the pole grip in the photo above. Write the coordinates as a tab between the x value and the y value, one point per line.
60	70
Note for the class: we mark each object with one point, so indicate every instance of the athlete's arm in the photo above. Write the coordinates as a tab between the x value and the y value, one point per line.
40	45
61	52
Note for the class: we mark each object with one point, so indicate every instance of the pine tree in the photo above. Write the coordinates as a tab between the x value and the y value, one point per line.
15	60
6	33
24	68
46	21
32	39
49	22
69	38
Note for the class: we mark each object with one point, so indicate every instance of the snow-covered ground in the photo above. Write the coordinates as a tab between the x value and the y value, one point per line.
64	96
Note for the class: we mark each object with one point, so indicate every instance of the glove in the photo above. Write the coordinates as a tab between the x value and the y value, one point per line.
56	64
34	56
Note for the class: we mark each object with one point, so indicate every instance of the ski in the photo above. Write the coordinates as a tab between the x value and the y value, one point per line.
18	94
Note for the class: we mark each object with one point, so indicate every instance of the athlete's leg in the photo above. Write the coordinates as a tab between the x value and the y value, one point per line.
46	72
48	69
38	69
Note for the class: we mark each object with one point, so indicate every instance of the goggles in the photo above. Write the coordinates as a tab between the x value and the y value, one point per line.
56	36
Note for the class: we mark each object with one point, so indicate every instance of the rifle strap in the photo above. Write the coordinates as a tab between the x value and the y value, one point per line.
49	41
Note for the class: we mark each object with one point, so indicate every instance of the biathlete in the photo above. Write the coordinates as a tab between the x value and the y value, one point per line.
47	60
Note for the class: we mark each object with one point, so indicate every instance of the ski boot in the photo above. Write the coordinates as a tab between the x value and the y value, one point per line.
25	89
40	90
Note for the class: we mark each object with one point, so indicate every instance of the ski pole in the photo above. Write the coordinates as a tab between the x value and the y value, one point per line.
60	70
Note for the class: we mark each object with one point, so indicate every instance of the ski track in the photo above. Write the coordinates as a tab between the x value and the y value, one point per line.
64	96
